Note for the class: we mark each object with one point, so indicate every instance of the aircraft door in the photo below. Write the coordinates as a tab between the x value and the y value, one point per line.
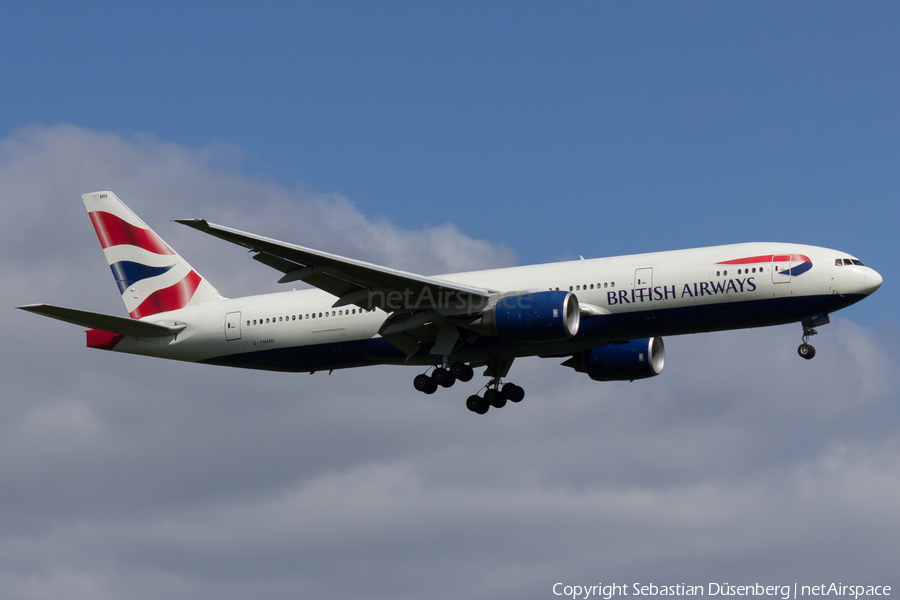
781	268
233	326
643	278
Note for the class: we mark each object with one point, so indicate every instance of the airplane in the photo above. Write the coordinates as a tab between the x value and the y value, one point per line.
605	316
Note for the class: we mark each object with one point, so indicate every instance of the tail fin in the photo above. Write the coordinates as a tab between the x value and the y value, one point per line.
151	276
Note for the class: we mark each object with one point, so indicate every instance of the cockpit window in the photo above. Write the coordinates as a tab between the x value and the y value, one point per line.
840	262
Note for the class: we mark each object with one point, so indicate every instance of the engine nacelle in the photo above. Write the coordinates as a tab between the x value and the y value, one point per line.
622	361
550	316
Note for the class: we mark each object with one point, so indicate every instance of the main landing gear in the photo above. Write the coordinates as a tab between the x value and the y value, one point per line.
496	394
444	377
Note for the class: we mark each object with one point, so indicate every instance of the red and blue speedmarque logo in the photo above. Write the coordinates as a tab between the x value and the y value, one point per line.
796	264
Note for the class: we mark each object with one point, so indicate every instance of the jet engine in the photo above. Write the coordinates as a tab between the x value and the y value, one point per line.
622	361
550	316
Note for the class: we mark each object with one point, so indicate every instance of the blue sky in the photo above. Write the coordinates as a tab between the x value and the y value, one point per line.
436	137
587	128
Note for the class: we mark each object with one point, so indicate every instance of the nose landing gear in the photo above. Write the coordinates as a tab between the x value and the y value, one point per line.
806	350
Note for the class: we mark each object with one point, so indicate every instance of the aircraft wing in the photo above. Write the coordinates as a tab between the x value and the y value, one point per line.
353	281
102	322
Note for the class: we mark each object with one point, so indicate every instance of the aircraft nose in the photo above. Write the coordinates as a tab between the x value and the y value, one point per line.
873	281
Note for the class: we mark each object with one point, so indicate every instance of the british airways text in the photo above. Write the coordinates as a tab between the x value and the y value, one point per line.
670	292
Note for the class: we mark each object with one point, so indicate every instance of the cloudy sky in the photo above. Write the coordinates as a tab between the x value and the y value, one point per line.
433	139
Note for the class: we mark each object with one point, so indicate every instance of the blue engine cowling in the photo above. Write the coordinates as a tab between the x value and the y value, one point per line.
536	317
622	361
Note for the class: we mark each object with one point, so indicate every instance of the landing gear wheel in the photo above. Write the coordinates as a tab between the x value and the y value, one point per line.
462	371
513	392
477	404
495	398
806	350
425	384
443	377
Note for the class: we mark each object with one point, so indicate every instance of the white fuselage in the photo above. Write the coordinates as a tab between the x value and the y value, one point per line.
624	297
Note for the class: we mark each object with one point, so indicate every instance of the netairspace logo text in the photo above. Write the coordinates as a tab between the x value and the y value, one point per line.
784	592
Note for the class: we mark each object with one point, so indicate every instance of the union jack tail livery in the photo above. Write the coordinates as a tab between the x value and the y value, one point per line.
152	277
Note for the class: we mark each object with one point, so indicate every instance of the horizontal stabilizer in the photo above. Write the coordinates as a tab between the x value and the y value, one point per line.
103	322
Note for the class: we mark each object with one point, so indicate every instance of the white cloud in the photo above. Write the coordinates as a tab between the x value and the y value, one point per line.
132	477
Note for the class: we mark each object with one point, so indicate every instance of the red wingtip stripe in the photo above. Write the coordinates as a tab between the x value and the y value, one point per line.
113	231
171	298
